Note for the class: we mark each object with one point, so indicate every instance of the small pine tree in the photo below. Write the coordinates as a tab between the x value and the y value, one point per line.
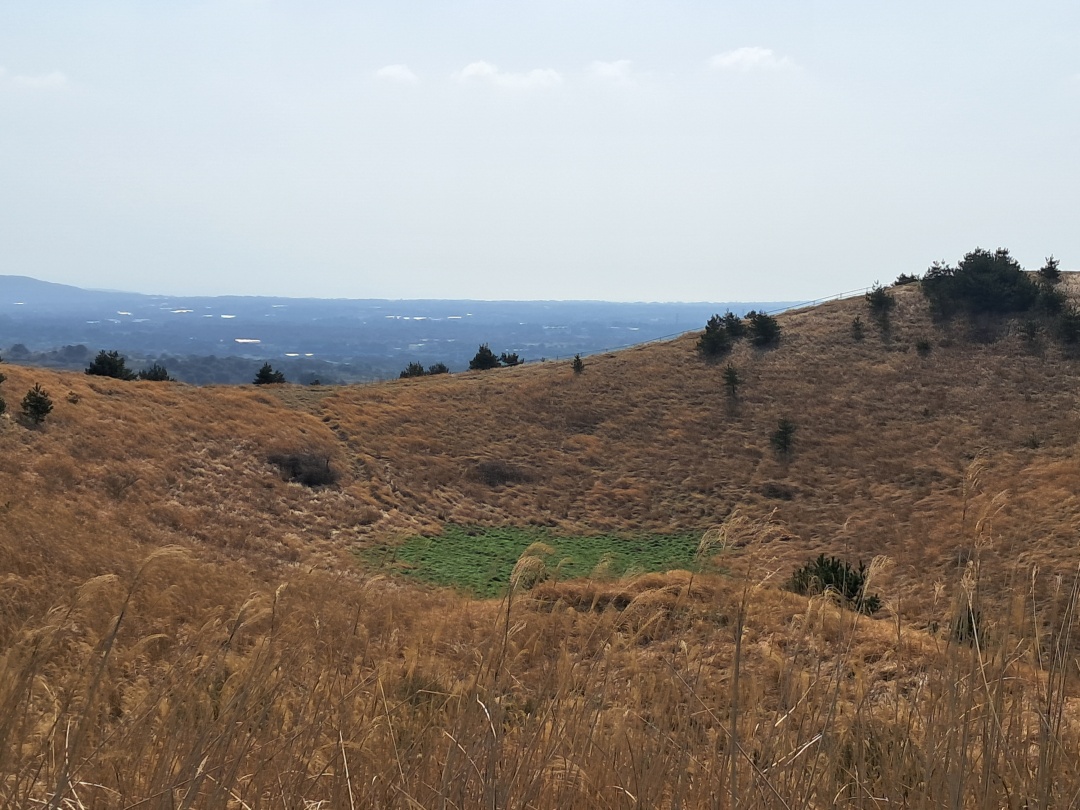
412	370
1050	272
880	302
110	364
734	325
438	368
267	376
156	373
784	438
3	406
858	330
764	329
732	381
510	359
484	359
36	405
578	365
715	341
832	573
1068	327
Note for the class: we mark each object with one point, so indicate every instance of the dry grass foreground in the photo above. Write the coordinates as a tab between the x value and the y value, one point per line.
173	683
261	667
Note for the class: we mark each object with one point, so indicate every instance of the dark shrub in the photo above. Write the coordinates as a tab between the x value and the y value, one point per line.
156	373
763	328
110	364
484	359
923	347
497	473
777	491
578	365
36	405
715	341
967	626
309	469
417	370
858	330
267	376
734	325
3	406
880	301
1051	300
832	573
905	278
732	381
1068	327
510	359
784	438
1050	272
983	282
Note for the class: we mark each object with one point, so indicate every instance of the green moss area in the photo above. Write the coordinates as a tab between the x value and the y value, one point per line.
479	560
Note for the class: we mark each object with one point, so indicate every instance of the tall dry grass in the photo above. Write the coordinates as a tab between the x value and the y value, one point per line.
179	627
173	683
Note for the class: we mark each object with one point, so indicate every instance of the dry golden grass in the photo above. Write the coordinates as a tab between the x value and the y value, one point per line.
181	684
179	627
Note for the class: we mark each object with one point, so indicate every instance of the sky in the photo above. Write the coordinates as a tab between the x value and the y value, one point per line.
622	150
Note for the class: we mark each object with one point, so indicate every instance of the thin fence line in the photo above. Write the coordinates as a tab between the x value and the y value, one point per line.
674	335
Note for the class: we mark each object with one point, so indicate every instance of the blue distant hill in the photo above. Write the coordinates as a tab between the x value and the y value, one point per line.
219	339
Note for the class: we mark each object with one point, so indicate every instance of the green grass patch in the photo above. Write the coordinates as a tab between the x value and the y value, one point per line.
479	560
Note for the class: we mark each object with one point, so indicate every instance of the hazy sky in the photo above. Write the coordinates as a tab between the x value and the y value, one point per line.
603	149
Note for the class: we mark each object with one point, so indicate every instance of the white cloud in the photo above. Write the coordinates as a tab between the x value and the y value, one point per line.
397	73
747	59
46	81
618	72
489	73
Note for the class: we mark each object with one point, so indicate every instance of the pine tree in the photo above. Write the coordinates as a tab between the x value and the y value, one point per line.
783	439
764	329
734	325
36	405
578	365
715	341
484	359
858	331
732	381
1050	272
267	376
156	373
880	302
110	364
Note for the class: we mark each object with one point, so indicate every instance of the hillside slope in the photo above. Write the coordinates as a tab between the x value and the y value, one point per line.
896	452
180	625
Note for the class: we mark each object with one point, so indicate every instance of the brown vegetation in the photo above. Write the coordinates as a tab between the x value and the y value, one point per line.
181	626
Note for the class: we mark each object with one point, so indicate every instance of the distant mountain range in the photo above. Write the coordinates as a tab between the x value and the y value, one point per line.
222	339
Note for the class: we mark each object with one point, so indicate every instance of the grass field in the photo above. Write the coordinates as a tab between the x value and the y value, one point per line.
480	560
180	626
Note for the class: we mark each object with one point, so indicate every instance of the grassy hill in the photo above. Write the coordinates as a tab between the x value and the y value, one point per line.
183	627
